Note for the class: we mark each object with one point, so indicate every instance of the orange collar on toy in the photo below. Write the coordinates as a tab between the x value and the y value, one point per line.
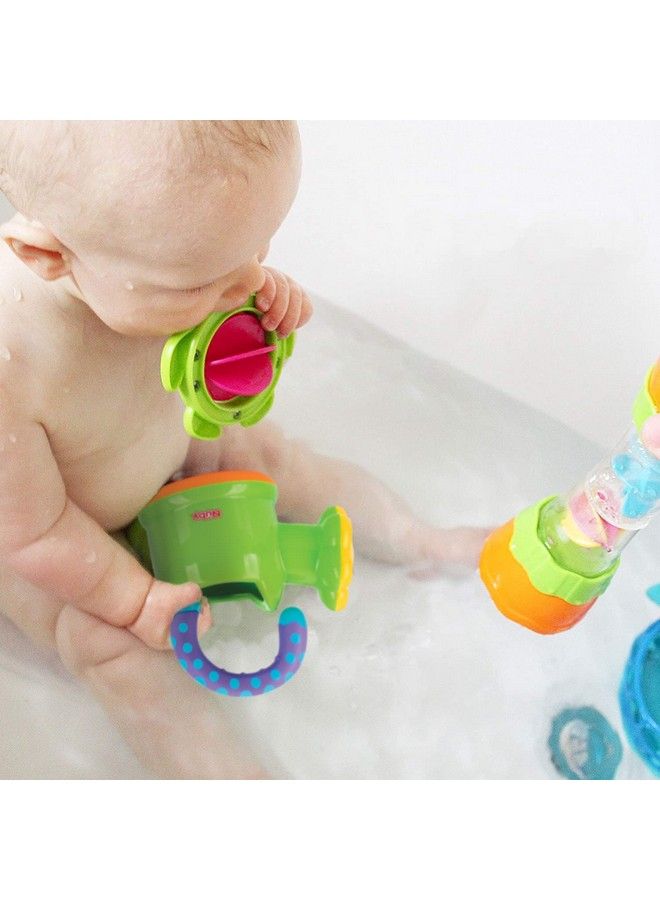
175	487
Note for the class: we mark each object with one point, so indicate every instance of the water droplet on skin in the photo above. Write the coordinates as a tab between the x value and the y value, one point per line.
90	558
129	285
5	354
18	294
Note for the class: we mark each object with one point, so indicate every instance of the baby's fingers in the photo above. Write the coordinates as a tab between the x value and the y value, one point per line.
205	619
279	305
292	315
267	293
160	606
306	311
299	312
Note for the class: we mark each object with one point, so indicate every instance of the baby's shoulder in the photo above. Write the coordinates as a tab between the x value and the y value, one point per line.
17	374
18	286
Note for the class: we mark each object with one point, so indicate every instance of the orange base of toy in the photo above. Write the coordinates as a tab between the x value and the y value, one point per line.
516	597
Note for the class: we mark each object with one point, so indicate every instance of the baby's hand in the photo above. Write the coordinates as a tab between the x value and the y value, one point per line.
161	604
284	303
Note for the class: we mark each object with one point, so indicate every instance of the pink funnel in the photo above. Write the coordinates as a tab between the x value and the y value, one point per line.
237	360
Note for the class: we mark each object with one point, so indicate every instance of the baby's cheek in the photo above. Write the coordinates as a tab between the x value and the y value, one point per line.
106	295
94	286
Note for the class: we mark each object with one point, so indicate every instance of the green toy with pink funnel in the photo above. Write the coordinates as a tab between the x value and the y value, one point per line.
225	369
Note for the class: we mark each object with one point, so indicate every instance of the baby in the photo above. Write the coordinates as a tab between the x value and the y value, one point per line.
126	233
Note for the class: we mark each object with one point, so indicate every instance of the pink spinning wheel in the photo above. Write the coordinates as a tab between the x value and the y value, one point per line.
238	360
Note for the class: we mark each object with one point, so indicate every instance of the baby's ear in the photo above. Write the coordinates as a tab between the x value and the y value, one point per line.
36	247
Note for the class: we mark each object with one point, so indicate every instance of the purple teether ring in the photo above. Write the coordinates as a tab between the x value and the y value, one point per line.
293	643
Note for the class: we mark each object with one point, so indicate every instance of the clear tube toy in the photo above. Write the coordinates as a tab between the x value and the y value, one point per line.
546	567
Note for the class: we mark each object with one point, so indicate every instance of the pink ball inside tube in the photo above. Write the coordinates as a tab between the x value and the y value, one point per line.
651	435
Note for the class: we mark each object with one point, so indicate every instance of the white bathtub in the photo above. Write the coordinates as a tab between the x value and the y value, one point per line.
414	679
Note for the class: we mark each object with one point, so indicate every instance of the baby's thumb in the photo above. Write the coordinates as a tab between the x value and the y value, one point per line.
193	594
205	618
160	606
187	594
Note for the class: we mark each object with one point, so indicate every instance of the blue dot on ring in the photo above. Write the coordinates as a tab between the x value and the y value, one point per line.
183	627
198	663
269	687
290	657
201	681
214	676
275	674
255	682
184	662
187	647
246	693
222	690
234	683
295	638
173	642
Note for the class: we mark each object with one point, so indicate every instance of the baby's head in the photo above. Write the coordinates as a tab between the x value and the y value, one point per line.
157	223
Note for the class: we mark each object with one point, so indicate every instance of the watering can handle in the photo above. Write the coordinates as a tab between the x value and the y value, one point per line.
293	643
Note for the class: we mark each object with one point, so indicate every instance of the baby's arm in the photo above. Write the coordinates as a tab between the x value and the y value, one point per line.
50	541
385	528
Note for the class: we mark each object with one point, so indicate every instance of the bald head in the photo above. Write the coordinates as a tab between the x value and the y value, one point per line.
68	174
167	207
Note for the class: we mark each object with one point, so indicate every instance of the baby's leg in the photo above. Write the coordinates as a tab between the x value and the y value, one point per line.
175	728
384	527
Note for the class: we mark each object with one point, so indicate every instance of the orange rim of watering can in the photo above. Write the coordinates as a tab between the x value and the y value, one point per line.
175	487
515	596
